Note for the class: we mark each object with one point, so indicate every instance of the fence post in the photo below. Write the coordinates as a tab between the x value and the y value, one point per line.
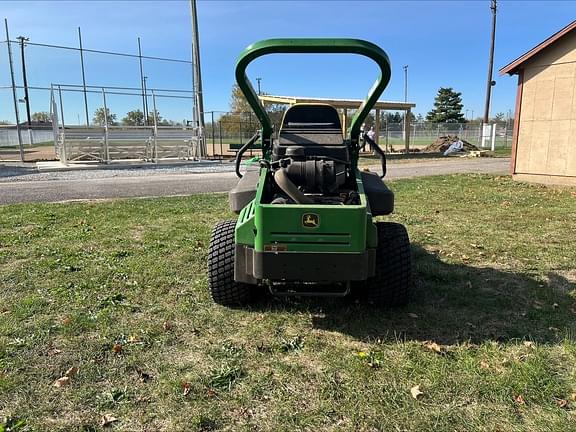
220	137
155	117
493	137
54	120
63	126
106	152
387	134
407	130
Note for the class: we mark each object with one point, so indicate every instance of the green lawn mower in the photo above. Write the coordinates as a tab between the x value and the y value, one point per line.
306	217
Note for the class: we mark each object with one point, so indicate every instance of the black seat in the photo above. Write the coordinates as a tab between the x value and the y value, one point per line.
314	127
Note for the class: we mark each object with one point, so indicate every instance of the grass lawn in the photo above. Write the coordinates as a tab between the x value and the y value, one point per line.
118	290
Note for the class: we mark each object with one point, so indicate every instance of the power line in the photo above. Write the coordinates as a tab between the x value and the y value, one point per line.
79	89
105	52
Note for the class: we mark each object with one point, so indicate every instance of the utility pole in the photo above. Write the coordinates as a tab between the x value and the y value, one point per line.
406	83
14	96
198	97
258	81
406	119
22	40
489	82
83	78
142	83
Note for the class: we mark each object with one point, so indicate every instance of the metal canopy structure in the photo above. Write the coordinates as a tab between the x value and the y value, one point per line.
351	104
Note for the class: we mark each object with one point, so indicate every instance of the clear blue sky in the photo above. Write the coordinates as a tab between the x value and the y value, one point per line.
445	43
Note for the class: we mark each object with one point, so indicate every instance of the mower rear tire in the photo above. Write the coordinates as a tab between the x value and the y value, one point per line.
223	289
390	286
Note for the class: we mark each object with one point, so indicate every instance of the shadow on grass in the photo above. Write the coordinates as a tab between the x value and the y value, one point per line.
455	303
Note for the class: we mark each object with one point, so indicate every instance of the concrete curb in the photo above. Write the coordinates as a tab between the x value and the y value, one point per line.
60	167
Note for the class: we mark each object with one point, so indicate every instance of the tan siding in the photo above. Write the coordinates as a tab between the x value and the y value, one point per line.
571	154
558	148
523	146
546	136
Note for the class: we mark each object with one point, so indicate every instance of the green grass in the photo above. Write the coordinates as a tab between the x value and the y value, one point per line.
119	290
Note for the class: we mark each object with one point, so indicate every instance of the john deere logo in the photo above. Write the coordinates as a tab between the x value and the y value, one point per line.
310	220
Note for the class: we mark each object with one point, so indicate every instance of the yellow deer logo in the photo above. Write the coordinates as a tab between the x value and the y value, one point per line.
310	220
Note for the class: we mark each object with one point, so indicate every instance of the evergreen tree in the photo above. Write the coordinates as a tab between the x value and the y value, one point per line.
447	107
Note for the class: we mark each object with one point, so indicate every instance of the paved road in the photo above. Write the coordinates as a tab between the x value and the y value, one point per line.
158	183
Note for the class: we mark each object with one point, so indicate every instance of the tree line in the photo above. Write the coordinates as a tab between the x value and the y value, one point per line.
241	120
447	109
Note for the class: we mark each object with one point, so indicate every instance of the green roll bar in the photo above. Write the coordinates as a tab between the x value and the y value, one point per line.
312	46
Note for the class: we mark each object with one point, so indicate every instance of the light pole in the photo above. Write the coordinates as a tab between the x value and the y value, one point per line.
198	96
258	80
406	83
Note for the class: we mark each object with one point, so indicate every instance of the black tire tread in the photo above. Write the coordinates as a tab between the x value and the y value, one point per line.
392	281
223	289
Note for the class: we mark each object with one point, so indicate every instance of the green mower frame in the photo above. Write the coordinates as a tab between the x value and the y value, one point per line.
306	217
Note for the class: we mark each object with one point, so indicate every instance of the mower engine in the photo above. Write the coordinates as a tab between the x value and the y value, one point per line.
313	175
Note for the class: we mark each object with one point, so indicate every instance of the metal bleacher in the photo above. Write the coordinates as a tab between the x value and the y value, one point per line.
105	144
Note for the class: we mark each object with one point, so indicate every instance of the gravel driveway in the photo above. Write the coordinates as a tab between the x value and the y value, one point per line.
25	185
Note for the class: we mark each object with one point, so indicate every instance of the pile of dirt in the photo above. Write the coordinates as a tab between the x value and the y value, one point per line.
442	143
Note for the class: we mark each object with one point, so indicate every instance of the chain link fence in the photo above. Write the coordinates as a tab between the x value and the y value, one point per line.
392	135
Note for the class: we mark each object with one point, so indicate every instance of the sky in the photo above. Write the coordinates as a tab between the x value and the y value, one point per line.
444	44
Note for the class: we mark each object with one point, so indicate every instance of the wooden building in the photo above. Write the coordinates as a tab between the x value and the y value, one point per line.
544	139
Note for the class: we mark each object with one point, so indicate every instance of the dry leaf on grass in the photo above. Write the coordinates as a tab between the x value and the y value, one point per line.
529	344
65	379
186	387
71	373
562	403
484	365
62	382
53	351
107	420
433	346
117	348
416	392
166	326
519	399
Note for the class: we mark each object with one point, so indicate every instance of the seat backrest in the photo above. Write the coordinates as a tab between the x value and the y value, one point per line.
316	128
